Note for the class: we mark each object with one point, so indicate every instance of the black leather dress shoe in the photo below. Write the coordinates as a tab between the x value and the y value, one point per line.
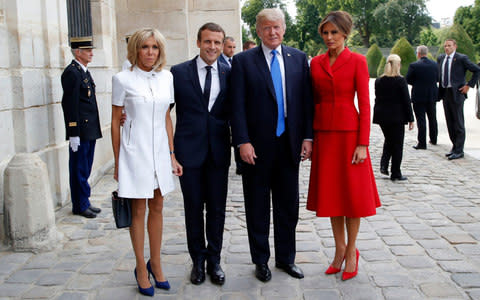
433	142
262	272
197	276
87	214
399	178
455	156
384	170
217	276
419	147
449	153
95	209
290	269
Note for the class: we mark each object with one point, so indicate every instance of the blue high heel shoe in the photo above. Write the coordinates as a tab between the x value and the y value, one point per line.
148	291
159	284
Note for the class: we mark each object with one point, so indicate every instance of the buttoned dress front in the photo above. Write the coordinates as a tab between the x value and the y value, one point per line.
144	162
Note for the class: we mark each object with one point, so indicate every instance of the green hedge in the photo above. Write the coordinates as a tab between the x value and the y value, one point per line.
381	66
403	49
374	56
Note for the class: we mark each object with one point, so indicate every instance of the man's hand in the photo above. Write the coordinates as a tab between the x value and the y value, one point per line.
247	153
74	143
306	152
464	89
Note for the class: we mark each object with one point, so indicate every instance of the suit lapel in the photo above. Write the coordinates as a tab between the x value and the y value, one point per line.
288	64
193	72
325	64
342	59
262	66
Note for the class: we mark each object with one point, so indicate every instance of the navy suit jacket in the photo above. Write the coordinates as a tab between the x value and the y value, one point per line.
223	61
198	131
423	76
460	65
254	117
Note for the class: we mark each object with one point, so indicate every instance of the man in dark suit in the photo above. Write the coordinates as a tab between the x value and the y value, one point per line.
272	126
453	90
422	75
229	47
82	124
202	146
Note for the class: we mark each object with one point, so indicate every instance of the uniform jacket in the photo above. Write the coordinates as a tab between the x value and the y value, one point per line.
392	101
423	76
79	103
254	117
460	65
334	101
198	130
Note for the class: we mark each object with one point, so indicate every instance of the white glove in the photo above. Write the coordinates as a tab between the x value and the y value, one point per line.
74	143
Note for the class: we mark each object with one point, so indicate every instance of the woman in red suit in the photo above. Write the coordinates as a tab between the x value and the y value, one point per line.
342	184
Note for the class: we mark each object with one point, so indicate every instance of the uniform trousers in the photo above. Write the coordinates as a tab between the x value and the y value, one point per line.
80	166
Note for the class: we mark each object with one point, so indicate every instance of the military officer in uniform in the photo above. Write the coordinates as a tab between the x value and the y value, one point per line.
82	124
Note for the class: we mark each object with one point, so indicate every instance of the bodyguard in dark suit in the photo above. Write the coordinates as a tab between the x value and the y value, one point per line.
272	126
422	75
453	90
82	124
202	146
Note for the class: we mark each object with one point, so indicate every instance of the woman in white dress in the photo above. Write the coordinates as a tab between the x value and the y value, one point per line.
143	150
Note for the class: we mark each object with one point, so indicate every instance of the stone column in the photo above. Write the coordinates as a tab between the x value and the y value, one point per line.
29	214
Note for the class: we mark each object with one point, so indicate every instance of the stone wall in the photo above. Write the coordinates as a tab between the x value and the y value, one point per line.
34	51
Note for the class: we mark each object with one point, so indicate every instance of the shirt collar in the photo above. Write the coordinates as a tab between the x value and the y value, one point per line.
81	65
451	55
267	51
144	73
202	64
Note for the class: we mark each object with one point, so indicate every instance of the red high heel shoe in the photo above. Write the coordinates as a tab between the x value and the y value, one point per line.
350	275
333	270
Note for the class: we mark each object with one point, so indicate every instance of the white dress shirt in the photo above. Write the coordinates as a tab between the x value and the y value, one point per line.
449	68
82	65
267	52
202	72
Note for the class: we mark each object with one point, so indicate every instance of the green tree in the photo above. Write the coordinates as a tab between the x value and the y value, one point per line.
403	49
252	7
374	56
402	18
427	37
468	17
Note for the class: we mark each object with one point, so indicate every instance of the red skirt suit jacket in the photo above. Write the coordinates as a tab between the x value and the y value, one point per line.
337	187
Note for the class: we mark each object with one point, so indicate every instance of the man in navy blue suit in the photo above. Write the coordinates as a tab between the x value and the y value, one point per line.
272	126
453	89
202	146
229	47
423	76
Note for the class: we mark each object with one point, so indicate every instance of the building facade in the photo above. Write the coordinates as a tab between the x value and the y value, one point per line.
34	51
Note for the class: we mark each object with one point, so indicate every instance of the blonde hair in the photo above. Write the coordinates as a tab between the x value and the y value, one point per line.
392	66
136	41
270	14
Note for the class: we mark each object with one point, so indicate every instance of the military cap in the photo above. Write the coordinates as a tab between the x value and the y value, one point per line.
82	42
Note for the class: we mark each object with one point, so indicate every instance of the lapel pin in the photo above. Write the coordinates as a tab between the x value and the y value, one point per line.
288	54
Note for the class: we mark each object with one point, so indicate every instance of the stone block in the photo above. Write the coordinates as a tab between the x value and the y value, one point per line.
7	140
195	5
34	87
441	290
29	211
31	125
4	47
6	88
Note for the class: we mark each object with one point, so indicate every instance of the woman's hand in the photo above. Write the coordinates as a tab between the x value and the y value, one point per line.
359	155
177	168
410	125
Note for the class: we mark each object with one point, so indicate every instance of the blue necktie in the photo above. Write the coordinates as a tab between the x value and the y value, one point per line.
208	85
445	73
277	84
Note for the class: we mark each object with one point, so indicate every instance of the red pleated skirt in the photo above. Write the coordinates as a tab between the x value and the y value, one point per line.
338	187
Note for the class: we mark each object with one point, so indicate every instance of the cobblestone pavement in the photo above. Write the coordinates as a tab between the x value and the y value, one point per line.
422	244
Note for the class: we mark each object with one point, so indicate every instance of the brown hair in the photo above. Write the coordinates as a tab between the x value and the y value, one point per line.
136	41
341	19
451	40
212	27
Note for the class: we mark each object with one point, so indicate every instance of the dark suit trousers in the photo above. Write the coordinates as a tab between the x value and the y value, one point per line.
430	109
204	187
455	121
80	166
393	147
277	174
